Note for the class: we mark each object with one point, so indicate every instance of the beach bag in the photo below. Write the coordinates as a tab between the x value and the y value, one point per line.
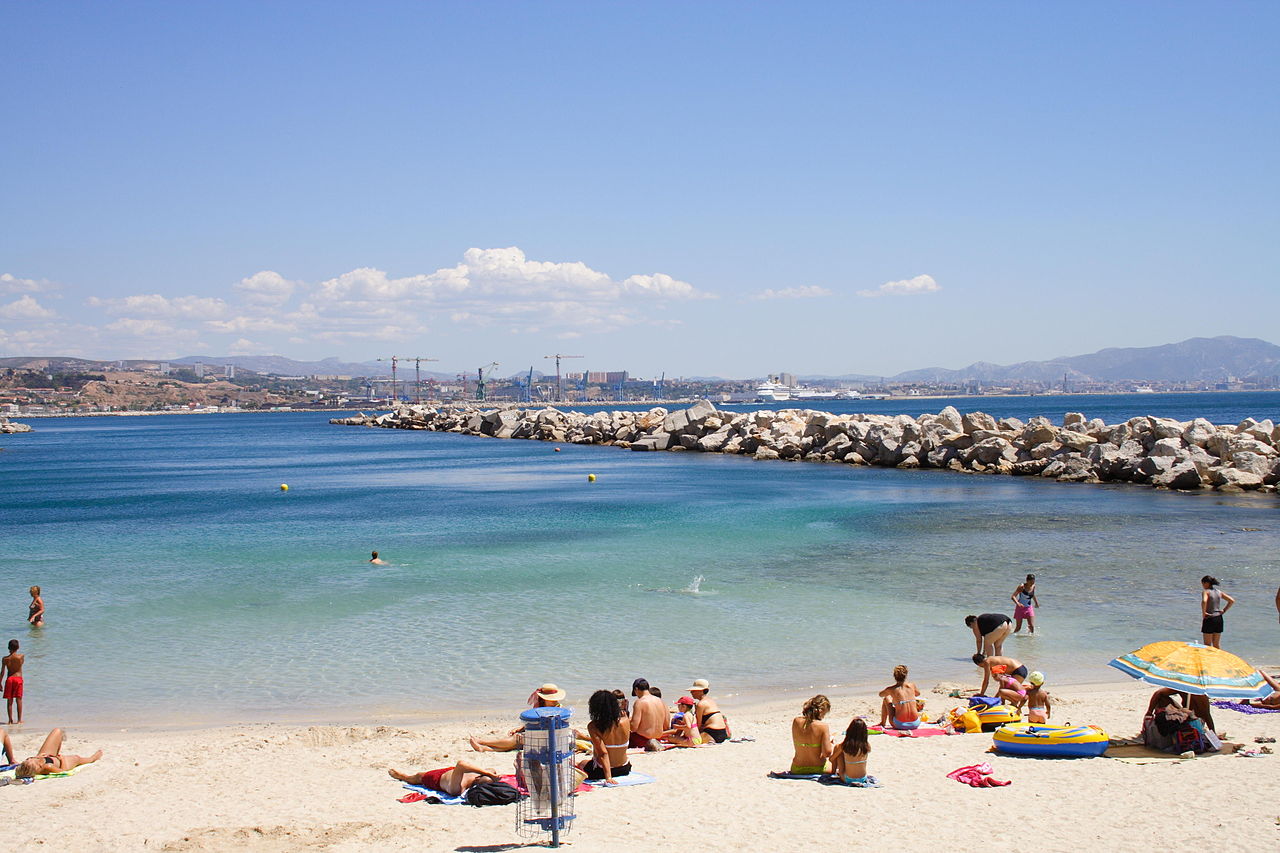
491	794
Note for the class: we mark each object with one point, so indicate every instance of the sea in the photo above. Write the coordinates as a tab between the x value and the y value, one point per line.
184	586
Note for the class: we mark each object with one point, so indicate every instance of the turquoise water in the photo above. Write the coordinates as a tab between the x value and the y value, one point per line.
184	586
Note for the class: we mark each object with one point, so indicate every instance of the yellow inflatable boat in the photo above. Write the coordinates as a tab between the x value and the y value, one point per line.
1052	741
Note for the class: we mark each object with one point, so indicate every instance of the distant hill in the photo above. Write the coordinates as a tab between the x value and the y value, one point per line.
1195	359
278	365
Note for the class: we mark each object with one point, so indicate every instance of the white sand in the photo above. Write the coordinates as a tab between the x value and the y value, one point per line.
281	787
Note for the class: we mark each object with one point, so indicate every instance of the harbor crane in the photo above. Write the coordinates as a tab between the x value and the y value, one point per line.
417	375
559	383
395	392
480	379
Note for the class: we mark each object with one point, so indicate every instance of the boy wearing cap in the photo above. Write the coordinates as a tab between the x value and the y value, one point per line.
1038	707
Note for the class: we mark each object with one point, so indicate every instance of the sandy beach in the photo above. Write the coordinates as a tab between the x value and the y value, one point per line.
289	787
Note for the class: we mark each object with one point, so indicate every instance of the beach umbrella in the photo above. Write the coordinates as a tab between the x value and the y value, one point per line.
1194	668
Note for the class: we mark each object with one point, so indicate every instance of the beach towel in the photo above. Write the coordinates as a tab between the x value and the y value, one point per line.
1132	752
627	781
977	776
8	773
923	731
1243	708
827	779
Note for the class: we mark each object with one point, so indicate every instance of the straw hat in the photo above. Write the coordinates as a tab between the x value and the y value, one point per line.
550	693
701	684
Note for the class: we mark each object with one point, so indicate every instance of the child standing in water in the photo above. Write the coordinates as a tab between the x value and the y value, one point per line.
1025	604
36	614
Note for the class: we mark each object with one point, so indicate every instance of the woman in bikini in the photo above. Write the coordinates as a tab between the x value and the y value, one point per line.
811	737
610	732
546	696
900	707
35	613
711	721
49	759
1212	610
850	759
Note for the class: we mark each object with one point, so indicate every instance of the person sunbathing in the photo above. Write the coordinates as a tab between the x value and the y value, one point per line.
610	732
49	759
811	737
850	759
447	780
900	707
1272	701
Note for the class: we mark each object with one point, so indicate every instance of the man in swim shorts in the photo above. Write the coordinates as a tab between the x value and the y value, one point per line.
990	631
11	678
649	718
447	780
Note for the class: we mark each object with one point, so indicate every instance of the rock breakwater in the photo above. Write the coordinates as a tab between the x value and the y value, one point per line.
7	426
1161	452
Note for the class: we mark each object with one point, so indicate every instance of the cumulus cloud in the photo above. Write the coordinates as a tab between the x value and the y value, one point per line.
810	291
266	288
244	346
905	287
498	288
25	308
155	305
10	283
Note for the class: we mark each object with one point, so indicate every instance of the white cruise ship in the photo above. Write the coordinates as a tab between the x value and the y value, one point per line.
776	392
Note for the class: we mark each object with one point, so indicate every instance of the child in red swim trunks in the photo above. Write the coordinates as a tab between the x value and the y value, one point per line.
11	677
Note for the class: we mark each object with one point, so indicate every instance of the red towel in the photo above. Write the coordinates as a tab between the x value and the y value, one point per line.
977	776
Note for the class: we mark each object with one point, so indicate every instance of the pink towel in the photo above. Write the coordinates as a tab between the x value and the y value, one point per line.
976	776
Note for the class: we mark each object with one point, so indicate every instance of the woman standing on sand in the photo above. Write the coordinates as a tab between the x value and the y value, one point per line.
1212	610
811	737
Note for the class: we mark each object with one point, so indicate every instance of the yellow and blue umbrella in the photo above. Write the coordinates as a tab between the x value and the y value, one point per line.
1194	668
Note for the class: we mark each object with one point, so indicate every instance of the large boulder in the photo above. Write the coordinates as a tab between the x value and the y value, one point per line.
1166	427
951	419
1182	476
972	421
1077	441
657	441
1167	447
1198	432
1232	479
1253	463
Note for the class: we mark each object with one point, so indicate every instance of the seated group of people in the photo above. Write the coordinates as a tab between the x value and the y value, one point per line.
818	753
1179	722
1015	686
615	726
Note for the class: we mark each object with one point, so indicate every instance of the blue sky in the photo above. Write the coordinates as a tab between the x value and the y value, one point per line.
695	188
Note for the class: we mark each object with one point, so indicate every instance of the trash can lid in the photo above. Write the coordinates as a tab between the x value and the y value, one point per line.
546	718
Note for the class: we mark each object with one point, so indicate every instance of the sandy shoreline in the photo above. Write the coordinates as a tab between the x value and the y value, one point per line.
286	787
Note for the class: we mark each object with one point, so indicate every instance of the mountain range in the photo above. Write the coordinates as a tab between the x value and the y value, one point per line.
1195	359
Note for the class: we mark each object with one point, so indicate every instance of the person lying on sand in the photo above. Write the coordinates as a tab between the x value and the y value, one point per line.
1011	669
900	707
49	759
811	737
447	780
1272	701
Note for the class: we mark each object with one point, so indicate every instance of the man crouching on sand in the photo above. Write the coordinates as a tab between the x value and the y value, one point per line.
648	718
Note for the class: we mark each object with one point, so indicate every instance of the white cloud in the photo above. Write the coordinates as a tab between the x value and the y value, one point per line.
10	283
244	346
905	287
266	288
155	305
240	324
25	308
810	291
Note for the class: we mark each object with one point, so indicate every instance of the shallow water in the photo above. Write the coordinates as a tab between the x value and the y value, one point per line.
184	586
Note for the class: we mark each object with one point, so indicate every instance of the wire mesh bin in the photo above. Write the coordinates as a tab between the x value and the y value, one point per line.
547	772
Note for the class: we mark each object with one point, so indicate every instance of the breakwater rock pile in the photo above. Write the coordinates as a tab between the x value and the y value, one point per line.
7	426
1160	452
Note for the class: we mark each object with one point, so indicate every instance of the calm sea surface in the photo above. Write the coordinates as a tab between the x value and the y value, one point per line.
184	587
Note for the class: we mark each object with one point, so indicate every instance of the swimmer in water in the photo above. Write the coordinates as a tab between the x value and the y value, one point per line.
376	560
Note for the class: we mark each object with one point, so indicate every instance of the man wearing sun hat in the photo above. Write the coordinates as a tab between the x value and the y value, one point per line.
710	720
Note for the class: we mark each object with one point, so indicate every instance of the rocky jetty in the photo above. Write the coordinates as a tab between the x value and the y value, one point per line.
8	426
1161	452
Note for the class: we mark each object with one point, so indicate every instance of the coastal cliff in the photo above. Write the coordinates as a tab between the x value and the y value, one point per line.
1161	452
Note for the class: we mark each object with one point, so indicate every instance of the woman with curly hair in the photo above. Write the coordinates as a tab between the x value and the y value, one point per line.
811	737
610	732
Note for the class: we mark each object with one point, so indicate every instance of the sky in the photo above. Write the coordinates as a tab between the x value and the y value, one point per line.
705	188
